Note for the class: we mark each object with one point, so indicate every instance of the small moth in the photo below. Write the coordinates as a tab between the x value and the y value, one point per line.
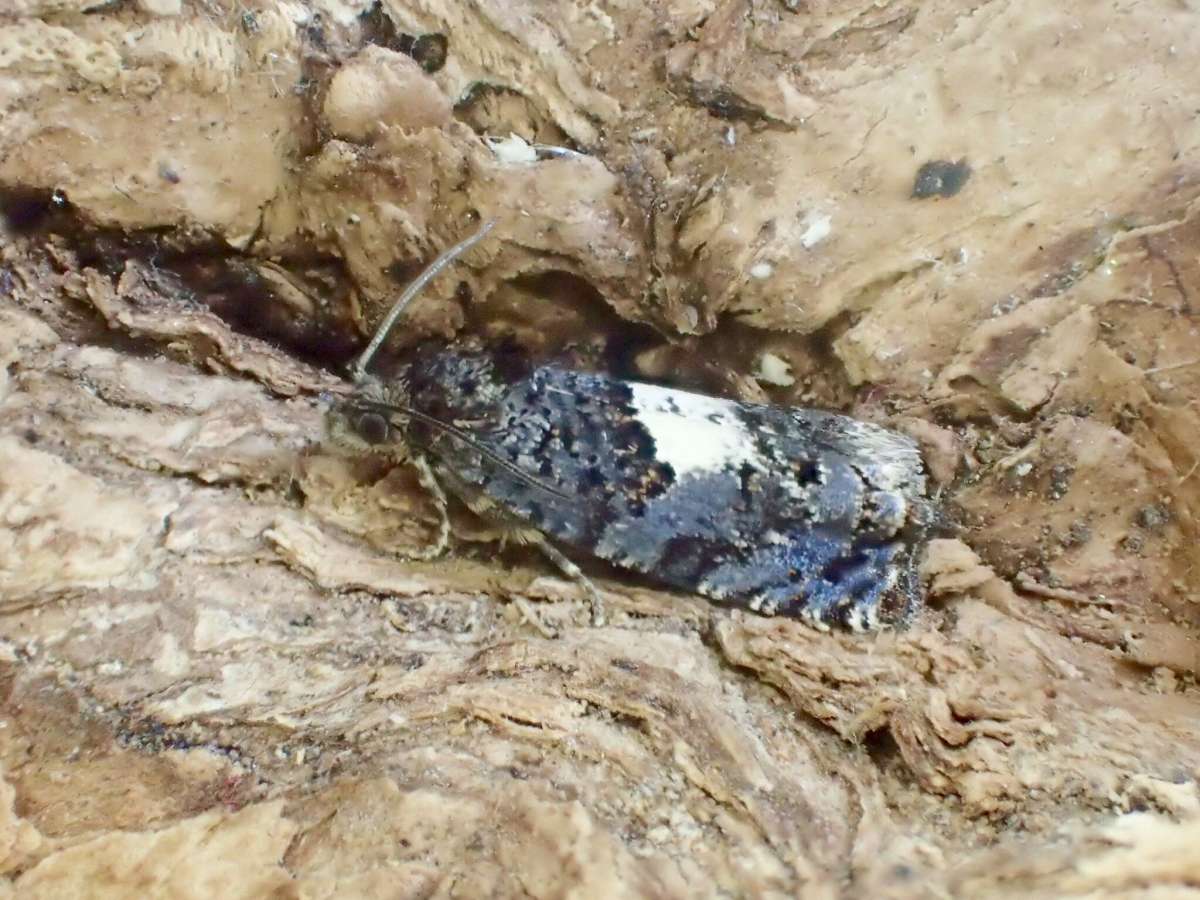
777	510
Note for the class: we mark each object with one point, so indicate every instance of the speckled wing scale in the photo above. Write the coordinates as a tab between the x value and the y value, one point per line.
778	510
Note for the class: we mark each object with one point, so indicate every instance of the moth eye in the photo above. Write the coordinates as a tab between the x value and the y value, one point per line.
372	428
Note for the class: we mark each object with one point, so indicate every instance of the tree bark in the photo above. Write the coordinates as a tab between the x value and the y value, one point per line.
224	676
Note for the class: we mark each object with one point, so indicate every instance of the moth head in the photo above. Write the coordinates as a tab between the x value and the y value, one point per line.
363	424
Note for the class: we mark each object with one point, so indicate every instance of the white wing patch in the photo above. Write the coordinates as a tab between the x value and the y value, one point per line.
691	432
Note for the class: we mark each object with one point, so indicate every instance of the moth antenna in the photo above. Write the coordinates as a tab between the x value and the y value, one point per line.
460	435
358	371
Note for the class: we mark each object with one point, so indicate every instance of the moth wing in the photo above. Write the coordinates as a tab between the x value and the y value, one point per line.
887	459
750	505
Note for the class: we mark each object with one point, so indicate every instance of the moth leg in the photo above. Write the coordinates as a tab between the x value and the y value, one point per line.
573	572
429	481
910	587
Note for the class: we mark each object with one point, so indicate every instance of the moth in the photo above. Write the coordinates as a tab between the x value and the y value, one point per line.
778	510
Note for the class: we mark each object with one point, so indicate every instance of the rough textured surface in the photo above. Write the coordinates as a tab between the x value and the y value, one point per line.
973	222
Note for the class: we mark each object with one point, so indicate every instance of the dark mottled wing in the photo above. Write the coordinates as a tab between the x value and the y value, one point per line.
780	510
